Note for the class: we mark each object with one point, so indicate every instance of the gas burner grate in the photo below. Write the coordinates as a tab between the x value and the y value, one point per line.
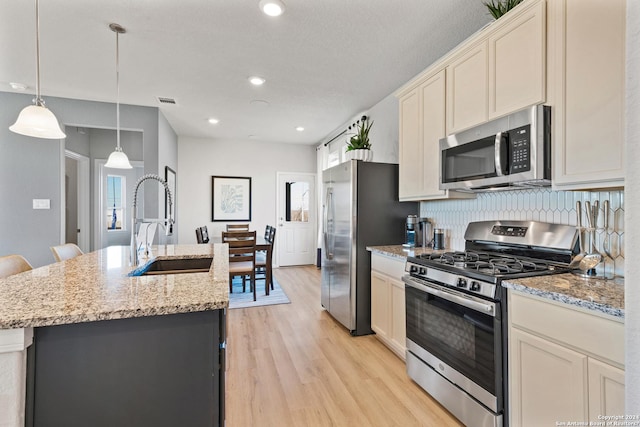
485	262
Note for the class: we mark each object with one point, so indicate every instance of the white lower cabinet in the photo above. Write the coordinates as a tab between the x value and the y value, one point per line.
606	390
387	302
548	382
557	372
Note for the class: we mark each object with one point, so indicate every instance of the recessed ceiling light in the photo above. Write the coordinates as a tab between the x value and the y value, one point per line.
300	129
214	121
256	81
272	7
18	86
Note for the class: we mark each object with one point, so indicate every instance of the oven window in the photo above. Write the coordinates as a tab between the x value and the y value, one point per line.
474	160
461	337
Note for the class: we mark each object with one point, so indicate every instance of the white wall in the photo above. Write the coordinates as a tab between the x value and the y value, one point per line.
200	159
383	134
167	156
632	193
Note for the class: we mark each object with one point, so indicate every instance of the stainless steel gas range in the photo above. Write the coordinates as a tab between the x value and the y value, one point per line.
457	312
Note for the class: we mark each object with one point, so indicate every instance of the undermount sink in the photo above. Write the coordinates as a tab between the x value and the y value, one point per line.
173	266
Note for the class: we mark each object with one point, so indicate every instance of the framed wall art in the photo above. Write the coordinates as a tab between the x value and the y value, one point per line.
170	177
230	198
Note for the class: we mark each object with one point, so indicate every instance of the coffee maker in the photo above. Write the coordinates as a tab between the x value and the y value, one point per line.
410	231
423	233
417	232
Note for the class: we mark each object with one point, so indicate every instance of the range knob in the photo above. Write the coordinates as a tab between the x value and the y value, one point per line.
475	286
422	271
413	269
462	282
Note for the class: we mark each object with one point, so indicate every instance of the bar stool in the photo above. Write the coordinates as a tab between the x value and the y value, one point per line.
66	251
13	264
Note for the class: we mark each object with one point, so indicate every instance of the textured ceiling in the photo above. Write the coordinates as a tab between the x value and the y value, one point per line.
324	60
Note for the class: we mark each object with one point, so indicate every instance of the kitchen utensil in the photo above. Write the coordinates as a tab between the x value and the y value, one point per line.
575	262
593	257
605	242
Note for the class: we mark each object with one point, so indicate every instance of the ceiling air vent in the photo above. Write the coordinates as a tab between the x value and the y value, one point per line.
166	100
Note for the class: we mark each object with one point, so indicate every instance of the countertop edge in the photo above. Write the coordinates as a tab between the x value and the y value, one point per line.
565	298
113	315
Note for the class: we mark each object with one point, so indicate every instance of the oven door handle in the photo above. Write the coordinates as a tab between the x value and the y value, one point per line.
466	301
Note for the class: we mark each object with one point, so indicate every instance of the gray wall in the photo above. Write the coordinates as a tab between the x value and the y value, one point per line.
32	168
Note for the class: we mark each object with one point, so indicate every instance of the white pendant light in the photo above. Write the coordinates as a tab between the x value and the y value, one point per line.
37	120
117	159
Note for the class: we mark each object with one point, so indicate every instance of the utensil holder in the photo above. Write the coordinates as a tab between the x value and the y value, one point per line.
604	269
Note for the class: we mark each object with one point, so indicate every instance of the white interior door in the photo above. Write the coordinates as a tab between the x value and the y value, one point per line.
296	237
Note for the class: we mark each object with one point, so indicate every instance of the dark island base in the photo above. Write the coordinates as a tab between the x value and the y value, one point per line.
148	371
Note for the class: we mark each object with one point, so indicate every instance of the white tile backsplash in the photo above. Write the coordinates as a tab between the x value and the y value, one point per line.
537	205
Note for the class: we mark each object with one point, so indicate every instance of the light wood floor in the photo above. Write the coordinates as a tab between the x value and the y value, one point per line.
293	365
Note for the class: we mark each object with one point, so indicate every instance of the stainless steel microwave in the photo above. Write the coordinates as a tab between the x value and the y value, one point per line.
510	152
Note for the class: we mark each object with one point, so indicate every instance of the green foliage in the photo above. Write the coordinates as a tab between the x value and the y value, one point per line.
497	8
360	140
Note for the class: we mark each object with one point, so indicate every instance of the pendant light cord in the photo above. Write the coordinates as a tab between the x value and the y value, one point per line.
39	100
118	90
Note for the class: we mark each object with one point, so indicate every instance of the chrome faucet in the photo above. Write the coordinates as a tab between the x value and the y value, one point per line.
167	223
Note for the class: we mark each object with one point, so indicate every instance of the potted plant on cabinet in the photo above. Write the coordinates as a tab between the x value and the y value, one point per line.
359	147
497	8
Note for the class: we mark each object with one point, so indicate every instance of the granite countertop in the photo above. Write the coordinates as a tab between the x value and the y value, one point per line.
399	251
96	286
606	296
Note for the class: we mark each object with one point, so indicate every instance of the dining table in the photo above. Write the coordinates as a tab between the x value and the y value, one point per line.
262	244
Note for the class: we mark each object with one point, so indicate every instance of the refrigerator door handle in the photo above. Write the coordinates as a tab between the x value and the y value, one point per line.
328	201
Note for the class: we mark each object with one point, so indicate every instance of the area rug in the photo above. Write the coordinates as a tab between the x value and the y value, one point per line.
239	299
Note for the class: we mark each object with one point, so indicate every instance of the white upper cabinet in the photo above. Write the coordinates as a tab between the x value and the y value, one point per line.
500	70
586	90
569	54
467	89
517	66
422	124
411	149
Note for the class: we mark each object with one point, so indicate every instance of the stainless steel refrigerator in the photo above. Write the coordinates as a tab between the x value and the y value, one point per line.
360	208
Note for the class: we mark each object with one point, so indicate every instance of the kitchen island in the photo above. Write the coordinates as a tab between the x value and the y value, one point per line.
114	349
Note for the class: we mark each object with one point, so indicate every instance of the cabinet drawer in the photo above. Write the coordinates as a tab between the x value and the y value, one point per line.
393	267
596	335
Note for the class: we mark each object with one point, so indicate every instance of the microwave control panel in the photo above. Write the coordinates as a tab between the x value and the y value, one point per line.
520	153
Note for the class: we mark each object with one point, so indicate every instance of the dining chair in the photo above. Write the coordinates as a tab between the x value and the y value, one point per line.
242	257
66	251
237	227
264	258
202	234
13	264
205	234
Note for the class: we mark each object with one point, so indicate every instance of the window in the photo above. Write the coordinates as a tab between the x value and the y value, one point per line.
115	202
297	199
